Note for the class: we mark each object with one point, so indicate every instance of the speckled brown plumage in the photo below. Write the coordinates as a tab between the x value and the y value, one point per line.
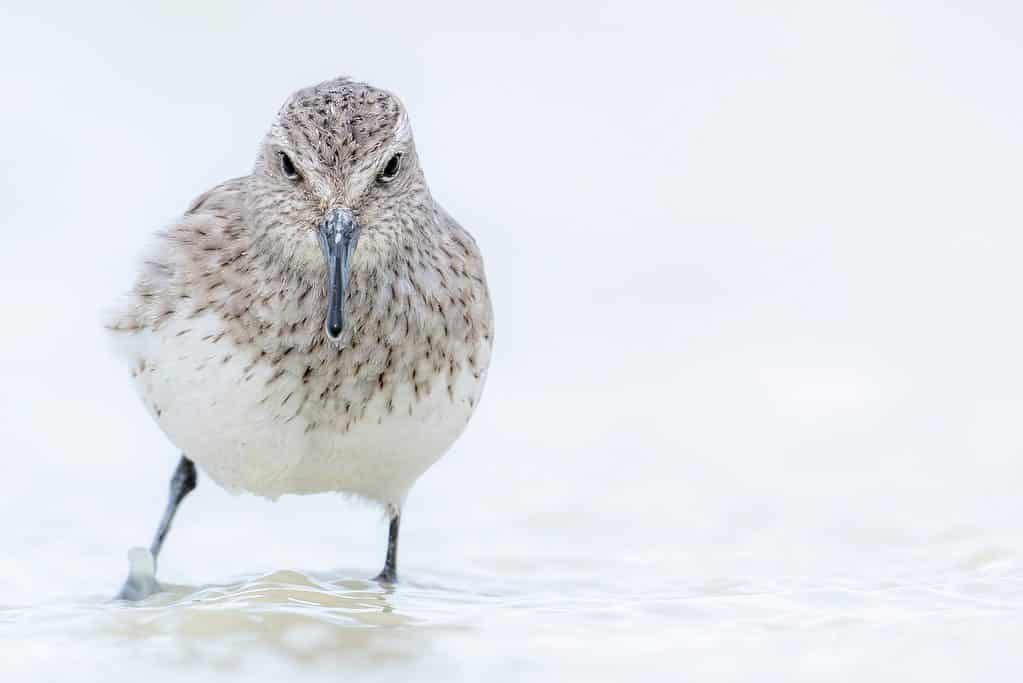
238	285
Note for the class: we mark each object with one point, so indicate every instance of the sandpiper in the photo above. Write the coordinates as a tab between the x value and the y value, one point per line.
321	324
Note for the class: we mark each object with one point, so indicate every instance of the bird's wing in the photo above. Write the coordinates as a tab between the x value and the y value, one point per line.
170	256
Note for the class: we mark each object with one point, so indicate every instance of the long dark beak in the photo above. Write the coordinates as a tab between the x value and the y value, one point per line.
338	234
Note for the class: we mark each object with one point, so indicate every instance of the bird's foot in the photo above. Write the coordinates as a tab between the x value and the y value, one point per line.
141	581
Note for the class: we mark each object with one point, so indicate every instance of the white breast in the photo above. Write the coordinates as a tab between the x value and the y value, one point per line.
216	406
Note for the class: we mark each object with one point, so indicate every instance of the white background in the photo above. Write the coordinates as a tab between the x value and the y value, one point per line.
755	406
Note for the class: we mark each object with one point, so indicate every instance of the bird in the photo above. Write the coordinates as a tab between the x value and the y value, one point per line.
319	325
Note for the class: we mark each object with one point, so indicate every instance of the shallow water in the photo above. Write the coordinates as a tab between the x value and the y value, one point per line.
944	624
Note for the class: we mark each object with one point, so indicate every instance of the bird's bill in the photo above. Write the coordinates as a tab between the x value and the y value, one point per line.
338	235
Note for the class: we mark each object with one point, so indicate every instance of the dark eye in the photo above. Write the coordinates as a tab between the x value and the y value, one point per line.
288	167
391	169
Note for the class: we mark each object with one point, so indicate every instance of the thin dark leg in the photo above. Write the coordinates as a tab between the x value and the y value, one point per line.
182	483
389	574
140	583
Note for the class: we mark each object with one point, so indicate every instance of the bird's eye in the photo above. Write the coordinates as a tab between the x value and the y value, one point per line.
390	171
288	167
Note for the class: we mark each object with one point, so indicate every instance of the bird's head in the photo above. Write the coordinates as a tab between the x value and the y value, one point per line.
337	187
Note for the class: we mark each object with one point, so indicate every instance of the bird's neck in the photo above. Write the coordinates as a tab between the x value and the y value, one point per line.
389	293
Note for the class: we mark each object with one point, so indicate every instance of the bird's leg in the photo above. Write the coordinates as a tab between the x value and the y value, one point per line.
389	574
140	584
181	484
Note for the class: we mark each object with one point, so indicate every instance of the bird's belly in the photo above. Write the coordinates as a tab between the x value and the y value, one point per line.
253	428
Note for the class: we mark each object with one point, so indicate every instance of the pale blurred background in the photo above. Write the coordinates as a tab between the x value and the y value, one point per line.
755	409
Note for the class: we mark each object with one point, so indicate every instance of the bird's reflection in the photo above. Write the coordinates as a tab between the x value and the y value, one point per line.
290	612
